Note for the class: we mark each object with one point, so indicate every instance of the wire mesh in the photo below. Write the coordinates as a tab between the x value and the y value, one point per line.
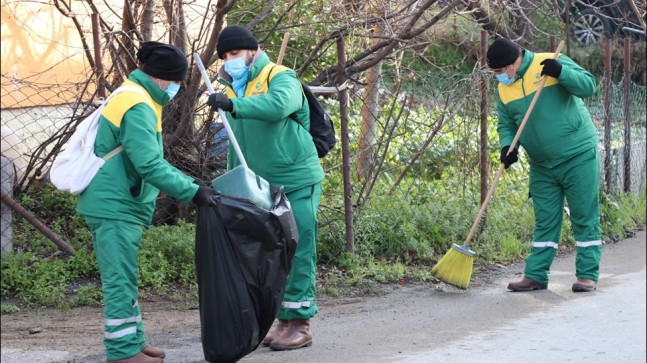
426	148
420	159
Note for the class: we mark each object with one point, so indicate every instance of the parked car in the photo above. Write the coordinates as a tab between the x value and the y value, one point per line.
594	20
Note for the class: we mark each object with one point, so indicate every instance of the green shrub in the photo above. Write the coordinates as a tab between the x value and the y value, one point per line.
35	280
621	213
38	274
167	255
87	295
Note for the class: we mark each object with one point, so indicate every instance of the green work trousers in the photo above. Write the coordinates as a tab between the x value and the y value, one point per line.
577	180
115	245
299	297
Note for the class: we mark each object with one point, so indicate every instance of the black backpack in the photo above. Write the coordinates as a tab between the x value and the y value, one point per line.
322	128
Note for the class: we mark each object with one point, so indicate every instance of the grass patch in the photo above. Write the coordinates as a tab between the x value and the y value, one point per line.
87	295
7	308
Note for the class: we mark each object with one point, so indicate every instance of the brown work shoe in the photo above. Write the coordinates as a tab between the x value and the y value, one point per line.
297	336
584	285
526	284
276	333
154	352
139	358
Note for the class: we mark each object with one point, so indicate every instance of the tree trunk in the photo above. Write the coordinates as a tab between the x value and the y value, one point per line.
520	14
370	111
146	23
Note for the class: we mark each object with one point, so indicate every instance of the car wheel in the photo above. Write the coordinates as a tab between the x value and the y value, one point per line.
590	27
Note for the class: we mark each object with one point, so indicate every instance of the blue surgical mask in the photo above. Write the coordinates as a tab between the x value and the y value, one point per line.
238	71
172	90
505	79
236	67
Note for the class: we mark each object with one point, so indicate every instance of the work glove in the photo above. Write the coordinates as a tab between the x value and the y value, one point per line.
199	182
221	101
508	160
205	196
552	67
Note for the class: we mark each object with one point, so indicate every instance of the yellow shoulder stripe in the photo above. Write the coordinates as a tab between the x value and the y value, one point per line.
530	81
260	84
121	103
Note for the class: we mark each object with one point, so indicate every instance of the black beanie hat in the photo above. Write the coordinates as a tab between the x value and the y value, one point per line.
235	37
502	53
163	61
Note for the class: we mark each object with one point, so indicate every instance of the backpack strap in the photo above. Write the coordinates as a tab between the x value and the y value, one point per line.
280	69
269	77
114	152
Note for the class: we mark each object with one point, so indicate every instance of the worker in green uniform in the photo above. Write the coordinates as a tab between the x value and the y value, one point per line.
121	197
560	141
260	97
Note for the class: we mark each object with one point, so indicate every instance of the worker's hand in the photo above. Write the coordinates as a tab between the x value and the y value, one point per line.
205	196
221	101
199	182
506	159
552	67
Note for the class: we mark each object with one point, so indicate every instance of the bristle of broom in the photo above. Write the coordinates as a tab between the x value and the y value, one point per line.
455	268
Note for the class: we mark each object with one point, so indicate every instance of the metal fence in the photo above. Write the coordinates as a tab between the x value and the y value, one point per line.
425	150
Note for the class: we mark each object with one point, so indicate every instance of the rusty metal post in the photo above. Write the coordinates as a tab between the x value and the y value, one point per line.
345	144
607	114
7	179
627	113
484	154
101	89
40	226
568	28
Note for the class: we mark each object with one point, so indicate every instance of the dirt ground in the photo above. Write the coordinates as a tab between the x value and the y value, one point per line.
76	334
79	331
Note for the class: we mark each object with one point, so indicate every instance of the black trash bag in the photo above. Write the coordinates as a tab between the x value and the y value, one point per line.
243	254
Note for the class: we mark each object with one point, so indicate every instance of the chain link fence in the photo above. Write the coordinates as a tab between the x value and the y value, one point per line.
623	154
420	161
426	149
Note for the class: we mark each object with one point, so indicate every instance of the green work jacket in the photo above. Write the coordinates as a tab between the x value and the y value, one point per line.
274	145
128	184
560	126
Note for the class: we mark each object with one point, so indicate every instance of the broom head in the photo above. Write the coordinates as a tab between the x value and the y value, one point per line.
455	268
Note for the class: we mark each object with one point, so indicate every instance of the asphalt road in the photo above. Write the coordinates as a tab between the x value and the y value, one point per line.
486	323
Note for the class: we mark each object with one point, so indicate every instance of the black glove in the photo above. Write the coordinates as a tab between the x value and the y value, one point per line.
199	182
552	67
221	101
204	197
508	160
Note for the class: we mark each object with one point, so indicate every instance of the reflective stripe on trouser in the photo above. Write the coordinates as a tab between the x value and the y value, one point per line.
116	244
300	289
578	181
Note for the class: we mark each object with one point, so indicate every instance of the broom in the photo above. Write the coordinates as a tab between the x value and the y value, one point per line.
455	268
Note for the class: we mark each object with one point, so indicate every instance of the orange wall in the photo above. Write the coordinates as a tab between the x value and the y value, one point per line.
43	61
42	56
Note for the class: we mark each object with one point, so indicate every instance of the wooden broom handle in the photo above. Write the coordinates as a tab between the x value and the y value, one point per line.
286	37
534	100
284	45
512	145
